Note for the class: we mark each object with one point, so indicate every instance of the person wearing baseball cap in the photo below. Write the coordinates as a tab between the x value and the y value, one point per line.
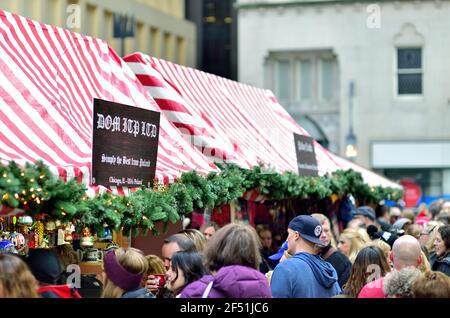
305	274
367	214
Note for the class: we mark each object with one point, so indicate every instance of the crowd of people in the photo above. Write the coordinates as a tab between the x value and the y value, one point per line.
380	253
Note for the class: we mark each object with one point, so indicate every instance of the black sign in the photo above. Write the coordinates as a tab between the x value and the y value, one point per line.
124	145
306	156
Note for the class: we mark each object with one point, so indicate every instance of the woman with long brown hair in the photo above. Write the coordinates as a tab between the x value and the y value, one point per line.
16	280
370	264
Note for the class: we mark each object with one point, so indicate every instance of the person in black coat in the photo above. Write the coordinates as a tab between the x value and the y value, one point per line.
440	258
339	261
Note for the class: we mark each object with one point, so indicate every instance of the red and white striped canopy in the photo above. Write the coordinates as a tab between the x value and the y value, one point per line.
246	118
49	77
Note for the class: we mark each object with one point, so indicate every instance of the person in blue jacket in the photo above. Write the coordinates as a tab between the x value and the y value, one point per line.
305	274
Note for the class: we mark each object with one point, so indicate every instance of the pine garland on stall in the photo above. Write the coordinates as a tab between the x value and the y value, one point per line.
35	190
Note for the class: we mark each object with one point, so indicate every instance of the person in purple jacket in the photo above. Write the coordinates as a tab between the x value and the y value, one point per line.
232	257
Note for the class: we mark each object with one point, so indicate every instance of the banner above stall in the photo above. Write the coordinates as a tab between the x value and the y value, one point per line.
124	145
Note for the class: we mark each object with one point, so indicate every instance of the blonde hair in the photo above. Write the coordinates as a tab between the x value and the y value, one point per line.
155	265
16	280
197	238
385	247
431	285
409	214
425	266
414	230
357	239
132	260
322	219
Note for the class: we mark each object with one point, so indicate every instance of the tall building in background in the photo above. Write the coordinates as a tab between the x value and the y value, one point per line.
394	52
216	23
161	29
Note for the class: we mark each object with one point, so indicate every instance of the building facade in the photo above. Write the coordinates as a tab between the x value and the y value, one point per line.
394	52
160	28
216	23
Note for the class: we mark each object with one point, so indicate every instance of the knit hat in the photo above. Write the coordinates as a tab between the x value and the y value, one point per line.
45	265
118	274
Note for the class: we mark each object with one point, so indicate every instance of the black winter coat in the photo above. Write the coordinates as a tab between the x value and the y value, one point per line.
341	264
440	264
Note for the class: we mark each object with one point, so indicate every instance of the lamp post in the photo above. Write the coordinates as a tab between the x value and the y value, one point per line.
351	151
123	28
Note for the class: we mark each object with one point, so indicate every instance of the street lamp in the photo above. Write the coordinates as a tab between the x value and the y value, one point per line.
351	151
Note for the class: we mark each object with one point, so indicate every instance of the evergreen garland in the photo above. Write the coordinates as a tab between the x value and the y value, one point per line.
35	190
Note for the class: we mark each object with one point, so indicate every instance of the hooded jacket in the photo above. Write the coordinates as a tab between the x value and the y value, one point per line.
233	281
440	264
304	275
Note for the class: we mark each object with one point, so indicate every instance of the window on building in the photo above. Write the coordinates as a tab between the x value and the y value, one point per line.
327	79
283	80
156	42
93	28
409	71
181	51
305	79
167	48
141	37
210	14
313	76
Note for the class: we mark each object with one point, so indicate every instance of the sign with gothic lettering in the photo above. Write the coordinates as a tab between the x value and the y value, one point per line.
124	145
306	156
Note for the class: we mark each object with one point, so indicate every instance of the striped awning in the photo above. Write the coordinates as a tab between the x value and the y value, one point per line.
246	118
49	77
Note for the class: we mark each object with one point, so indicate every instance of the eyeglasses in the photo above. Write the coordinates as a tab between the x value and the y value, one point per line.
429	232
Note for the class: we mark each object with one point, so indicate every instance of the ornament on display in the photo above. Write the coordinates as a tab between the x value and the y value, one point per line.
39	230
26	220
68	237
87	240
69	229
45	242
18	240
50	226
107	234
7	247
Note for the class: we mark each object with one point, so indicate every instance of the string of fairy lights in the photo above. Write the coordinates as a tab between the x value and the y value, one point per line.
33	189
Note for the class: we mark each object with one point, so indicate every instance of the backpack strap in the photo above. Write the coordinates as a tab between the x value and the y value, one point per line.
208	289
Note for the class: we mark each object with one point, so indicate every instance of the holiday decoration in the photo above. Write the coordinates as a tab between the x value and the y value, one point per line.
43	196
39	230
